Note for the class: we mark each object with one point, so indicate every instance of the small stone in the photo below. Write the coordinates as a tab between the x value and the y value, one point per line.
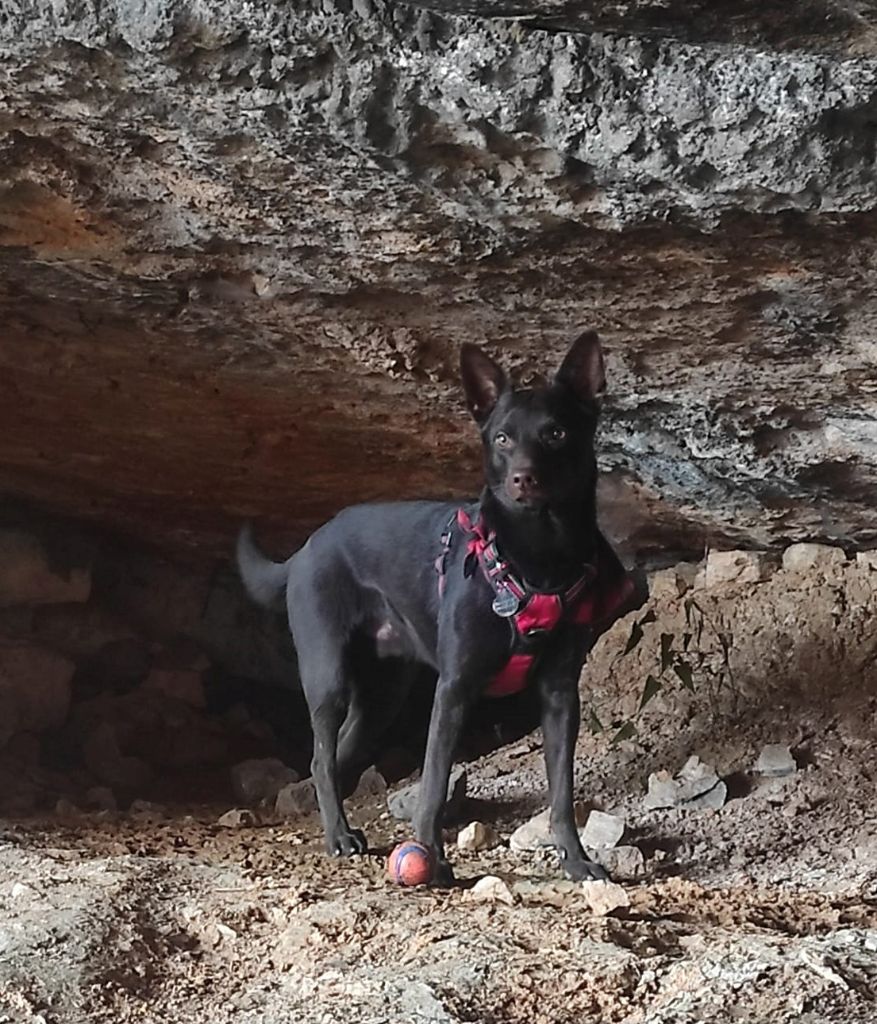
812	557
775	760
736	567
261	779
624	863
296	799
101	797
605	897
403	803
477	836
697	786
237	817
602	831
371	783
866	559
23	891
536	833
672	583
490	889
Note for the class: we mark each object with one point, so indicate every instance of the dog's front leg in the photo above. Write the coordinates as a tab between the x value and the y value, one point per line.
561	709
452	700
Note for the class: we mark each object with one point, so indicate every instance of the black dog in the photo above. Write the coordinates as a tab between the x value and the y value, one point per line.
502	593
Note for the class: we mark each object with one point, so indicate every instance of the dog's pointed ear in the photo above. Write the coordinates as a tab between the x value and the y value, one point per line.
483	381
582	369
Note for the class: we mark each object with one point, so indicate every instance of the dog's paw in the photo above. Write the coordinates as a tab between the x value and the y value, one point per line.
348	844
580	870
443	876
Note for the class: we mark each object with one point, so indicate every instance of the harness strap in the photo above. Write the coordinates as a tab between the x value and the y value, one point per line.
592	600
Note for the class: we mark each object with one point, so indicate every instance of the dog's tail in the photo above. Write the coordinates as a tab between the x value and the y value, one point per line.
264	580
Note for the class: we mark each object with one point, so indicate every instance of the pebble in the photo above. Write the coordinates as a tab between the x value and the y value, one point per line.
477	836
490	889
403	802
775	760
602	831
604	897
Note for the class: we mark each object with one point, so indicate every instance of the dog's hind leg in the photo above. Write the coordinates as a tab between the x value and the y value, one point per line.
375	703
328	695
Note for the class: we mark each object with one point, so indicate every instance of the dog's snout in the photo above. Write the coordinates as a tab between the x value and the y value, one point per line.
522	483
525	478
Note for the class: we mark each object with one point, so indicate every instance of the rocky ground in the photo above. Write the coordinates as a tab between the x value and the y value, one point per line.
750	897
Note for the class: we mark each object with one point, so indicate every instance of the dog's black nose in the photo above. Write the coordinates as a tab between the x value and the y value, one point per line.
525	479
523	483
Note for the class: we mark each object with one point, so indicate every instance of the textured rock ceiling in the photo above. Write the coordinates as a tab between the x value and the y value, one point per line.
242	242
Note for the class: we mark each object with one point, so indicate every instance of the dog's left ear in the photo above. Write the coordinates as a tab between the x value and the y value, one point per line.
582	369
483	381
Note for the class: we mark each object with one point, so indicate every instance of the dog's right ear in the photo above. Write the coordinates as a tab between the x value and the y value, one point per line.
483	380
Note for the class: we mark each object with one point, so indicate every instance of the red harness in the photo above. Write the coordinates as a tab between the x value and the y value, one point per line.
593	600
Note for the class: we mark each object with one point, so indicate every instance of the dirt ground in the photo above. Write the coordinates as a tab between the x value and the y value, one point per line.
762	910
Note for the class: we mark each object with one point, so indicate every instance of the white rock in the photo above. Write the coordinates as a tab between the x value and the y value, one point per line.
812	557
490	889
402	803
237	817
605	897
867	559
624	863
736	567
477	836
602	831
536	833
774	760
696	786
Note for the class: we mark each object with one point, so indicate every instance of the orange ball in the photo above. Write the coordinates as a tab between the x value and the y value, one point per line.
411	863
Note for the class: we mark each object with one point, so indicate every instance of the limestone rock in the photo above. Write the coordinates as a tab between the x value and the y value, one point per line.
605	897
867	559
403	802
536	833
624	863
602	831
775	760
477	836
490	889
696	786
812	557
736	567
296	799
237	817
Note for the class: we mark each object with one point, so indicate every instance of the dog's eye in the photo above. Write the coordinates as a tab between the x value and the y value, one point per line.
502	439
555	435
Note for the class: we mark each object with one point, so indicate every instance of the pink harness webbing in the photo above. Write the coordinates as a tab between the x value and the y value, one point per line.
593	600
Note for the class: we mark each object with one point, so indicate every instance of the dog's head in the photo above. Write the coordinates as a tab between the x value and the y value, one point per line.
538	442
